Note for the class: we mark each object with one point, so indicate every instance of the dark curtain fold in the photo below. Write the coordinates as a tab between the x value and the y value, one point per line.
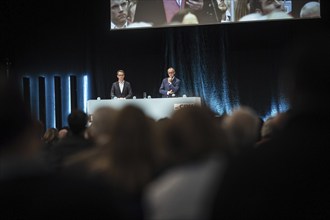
199	57
227	70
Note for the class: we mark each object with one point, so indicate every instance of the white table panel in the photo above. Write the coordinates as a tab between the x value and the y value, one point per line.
156	108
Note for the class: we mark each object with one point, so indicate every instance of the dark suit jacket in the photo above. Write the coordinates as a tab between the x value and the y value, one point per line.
165	86
127	90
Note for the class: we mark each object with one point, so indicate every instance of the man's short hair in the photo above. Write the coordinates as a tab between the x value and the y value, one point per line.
77	121
121	71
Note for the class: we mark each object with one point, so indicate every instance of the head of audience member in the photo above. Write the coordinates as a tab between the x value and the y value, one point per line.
50	136
272	127
310	10
127	159
101	128
77	121
120	75
242	127
119	12
191	135
63	132
134	133
21	134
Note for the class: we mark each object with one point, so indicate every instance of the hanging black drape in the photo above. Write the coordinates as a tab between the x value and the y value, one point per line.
229	67
200	59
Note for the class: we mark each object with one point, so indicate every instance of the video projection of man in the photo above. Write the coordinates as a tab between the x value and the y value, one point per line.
164	13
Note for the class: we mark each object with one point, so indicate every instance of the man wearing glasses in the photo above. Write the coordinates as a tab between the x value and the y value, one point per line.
121	89
170	85
119	14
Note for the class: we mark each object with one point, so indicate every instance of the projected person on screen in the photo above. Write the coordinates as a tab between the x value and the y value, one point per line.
265	10
310	10
121	89
161	12
119	14
170	85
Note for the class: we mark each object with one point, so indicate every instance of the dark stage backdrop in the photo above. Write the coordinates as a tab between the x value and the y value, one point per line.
227	64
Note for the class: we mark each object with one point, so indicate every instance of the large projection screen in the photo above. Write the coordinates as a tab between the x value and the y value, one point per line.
126	14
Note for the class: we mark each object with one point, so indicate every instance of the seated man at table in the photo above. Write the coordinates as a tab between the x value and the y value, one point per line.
170	85
121	89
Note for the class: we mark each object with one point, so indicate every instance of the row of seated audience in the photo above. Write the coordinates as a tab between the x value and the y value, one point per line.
193	165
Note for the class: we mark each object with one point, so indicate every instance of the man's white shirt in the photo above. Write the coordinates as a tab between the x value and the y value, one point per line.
121	86
113	26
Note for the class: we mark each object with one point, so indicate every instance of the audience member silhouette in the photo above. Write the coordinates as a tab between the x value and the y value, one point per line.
50	136
20	141
73	143
63	132
101	128
127	160
243	128
185	189
288	176
272	127
28	190
49	139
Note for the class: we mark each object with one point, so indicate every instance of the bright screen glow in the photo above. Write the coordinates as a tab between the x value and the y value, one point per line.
164	13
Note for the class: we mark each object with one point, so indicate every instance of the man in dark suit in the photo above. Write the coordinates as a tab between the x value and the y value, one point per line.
170	85
121	89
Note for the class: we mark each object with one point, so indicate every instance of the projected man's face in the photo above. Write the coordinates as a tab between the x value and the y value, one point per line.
222	5
119	10
269	6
